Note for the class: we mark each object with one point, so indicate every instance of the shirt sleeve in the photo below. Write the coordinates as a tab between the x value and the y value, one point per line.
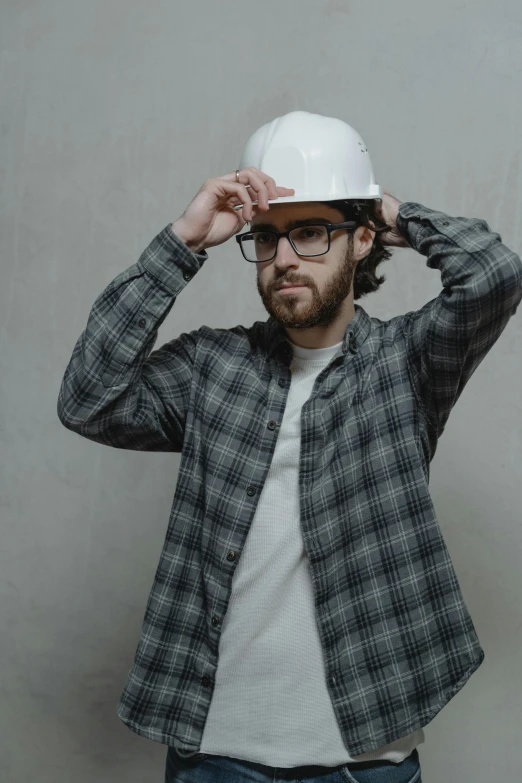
114	390
482	287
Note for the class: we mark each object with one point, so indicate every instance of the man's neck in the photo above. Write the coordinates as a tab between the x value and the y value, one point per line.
322	337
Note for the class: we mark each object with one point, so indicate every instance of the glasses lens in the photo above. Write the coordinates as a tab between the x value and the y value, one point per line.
310	240
259	246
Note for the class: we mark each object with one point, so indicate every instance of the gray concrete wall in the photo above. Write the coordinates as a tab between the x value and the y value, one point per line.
112	115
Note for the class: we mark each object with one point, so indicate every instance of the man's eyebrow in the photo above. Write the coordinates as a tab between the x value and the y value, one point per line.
291	224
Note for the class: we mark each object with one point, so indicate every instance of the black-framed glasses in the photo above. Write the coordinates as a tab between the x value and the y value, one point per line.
307	240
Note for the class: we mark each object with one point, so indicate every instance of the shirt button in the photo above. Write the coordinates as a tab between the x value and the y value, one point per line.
215	620
231	555
205	679
282	382
445	223
187	276
142	323
251	491
272	425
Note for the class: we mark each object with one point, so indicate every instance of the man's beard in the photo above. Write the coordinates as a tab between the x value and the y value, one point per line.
319	309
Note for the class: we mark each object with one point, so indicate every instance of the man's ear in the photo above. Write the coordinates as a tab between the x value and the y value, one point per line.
366	238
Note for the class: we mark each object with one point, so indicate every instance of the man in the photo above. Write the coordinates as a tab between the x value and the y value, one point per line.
305	619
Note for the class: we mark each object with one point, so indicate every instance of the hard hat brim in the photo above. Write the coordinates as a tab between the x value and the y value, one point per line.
314	198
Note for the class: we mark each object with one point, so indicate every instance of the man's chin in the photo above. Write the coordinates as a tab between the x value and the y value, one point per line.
290	321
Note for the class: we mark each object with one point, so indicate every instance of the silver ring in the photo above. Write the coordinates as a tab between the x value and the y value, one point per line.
237	175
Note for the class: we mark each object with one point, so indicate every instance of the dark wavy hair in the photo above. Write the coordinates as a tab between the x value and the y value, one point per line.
365	280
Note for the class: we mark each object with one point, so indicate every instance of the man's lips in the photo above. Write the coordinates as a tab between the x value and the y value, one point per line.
291	285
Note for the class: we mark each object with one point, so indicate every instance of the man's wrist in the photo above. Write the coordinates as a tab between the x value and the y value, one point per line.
402	225
178	229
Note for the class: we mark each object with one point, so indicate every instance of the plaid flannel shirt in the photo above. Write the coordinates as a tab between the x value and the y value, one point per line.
397	637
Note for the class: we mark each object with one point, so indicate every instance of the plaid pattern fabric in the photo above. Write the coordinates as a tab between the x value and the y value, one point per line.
397	637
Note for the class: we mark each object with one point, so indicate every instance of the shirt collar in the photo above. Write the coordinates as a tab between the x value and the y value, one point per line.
357	330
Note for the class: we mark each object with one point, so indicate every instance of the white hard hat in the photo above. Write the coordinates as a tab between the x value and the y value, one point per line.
322	158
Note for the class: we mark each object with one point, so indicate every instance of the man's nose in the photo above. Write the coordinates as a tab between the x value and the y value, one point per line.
286	255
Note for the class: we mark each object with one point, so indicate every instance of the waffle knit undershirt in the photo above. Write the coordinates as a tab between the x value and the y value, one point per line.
271	703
